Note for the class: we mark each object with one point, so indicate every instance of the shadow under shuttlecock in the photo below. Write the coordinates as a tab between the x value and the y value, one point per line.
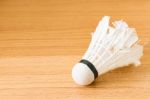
115	77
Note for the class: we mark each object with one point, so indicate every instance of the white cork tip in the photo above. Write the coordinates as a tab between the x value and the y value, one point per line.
82	74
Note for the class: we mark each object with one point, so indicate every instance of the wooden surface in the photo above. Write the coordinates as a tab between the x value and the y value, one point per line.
40	41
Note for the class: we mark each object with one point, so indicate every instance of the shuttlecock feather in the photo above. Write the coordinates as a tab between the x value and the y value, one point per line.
110	48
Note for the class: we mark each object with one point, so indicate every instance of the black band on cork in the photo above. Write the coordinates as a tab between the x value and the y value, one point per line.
91	66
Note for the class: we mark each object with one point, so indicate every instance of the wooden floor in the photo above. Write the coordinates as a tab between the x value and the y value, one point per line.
40	41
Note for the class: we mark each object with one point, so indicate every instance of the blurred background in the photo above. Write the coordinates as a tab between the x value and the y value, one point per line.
63	27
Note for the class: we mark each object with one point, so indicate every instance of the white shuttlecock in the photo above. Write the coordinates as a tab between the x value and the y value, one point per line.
110	48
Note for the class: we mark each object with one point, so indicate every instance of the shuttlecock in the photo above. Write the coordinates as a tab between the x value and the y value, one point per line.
110	48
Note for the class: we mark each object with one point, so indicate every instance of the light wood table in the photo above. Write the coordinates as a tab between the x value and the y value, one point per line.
40	41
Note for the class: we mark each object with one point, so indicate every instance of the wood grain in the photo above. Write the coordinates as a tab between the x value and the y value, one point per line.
40	41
